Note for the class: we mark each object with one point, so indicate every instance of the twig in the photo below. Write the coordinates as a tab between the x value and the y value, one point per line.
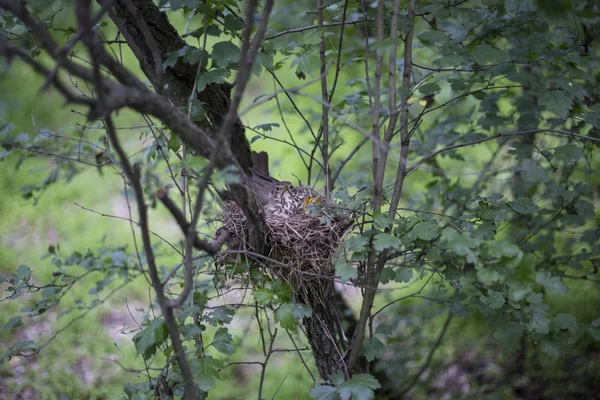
309	27
264	365
425	365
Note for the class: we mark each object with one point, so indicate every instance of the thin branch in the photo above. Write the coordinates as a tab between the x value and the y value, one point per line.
498	136
309	27
326	100
404	132
425	365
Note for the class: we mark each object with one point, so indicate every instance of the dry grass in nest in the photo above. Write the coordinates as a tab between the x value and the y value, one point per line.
300	247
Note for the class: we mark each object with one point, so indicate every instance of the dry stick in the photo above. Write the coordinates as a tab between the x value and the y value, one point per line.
325	106
372	278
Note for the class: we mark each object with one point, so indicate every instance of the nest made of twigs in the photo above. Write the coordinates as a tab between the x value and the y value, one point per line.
300	247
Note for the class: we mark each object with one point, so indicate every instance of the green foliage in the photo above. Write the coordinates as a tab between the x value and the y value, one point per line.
498	226
359	387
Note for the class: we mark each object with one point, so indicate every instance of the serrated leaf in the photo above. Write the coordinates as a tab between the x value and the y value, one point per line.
171	60
565	321
429	88
263	296
359	387
426	230
152	336
569	153
509	335
484	53
552	348
324	392
384	241
404	275
522	206
357	243
345	271
281	290
537	320
225	53
208	77
552	283
205	372
381	221
285	317
372	348
557	101
494	299
387	274
266	127
223	341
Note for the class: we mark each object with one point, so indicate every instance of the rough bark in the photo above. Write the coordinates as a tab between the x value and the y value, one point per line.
151	37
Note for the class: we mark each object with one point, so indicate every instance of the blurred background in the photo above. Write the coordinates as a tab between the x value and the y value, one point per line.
89	355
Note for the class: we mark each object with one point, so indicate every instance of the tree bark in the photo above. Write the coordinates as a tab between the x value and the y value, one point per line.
152	38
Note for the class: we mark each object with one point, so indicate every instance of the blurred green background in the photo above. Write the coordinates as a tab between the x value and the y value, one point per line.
90	359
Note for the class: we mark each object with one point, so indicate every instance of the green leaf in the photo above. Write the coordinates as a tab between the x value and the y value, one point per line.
323	392
429	88
266	127
381	221
176	4
171	60
565	321
384	241
552	283
357	243
522	206
509	335
281	290
535	298
373	348
206	372
552	347
484	53
537	318
152	336
387	274
208	77
557	101
404	275
11	323
345	271
426	230
223	342
569	153
359	387
263	296
488	275
225	53
494	299
285	317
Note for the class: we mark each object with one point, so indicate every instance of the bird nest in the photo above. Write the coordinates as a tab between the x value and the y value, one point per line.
300	247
